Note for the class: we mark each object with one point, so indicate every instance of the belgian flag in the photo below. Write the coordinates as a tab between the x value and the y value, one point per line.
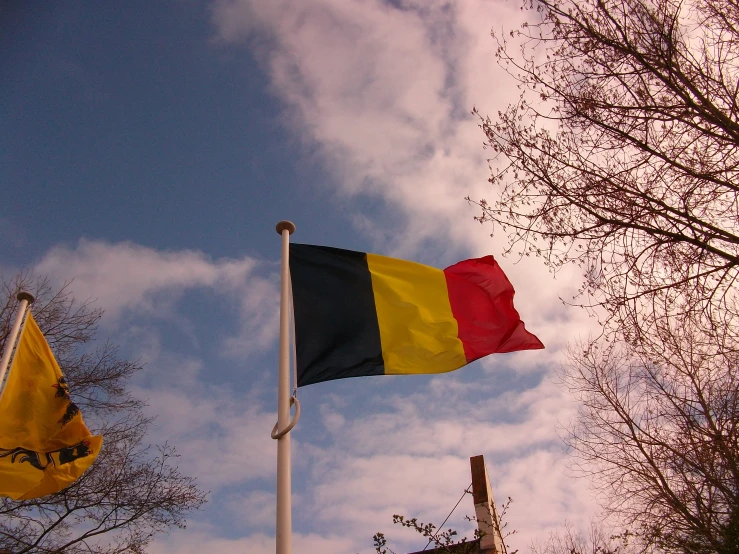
362	314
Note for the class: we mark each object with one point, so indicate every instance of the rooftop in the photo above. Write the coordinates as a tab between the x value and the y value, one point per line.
469	547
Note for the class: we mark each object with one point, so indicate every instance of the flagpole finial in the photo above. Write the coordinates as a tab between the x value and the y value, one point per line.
282	225
23	295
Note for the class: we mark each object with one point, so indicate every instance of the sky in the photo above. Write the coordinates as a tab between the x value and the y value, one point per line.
147	151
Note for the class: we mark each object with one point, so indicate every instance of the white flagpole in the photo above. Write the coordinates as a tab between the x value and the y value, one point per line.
284	508
25	299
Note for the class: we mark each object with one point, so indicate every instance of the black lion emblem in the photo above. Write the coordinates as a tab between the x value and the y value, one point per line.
41	461
62	391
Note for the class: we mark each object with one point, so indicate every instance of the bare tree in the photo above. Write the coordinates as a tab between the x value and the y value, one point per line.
621	154
658	434
597	541
133	490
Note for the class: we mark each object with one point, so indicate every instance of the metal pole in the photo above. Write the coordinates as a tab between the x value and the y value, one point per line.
25	298
284	508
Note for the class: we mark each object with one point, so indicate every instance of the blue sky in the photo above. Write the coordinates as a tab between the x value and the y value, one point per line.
149	148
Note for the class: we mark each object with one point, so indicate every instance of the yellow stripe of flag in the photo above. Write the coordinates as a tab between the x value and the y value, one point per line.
418	331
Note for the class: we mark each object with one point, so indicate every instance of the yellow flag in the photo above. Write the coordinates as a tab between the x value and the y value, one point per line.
44	444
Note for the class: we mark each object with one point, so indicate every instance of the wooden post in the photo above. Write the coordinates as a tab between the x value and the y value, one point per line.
485	512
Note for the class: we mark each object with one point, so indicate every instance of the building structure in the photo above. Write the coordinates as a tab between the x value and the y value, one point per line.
486	515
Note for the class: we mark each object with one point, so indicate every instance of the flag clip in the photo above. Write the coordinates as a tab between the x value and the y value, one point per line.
286	430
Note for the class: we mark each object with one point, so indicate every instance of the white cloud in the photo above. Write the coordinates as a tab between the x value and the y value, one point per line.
221	435
256	508
411	457
222	438
384	92
130	280
439	420
127	276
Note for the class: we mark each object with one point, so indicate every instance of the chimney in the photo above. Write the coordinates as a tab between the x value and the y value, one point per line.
485	512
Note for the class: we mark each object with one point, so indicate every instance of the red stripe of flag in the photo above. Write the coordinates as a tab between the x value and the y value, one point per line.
481	297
